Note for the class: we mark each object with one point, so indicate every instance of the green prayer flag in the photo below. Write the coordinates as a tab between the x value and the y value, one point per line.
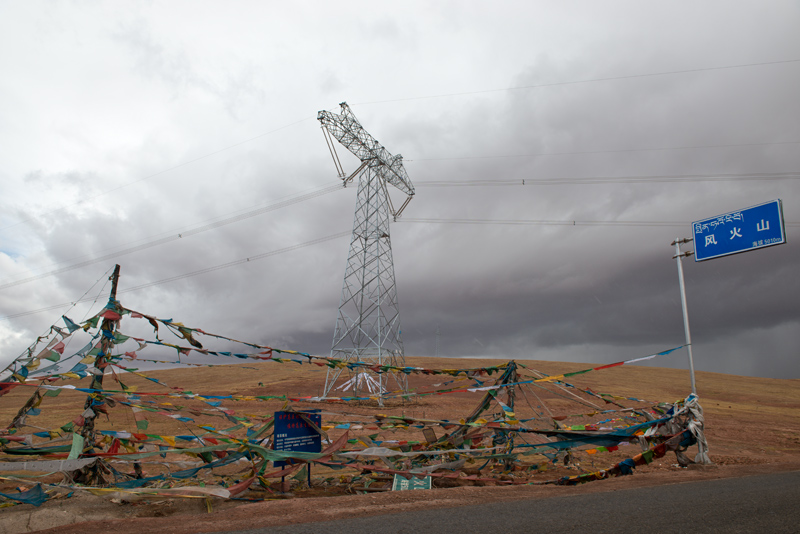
77	447
120	338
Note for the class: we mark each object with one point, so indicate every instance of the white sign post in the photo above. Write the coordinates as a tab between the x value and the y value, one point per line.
678	255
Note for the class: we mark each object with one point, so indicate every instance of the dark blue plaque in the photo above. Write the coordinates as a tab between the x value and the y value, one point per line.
293	433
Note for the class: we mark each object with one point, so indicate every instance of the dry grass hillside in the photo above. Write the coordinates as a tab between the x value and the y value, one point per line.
752	425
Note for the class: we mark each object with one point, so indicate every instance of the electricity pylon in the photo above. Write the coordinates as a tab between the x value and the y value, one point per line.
368	324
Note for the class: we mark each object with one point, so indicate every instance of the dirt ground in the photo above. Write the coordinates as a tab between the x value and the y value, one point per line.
752	427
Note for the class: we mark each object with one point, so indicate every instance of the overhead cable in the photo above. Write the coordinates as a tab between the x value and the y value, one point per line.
665	178
531	222
576	82
190	274
184	234
617	151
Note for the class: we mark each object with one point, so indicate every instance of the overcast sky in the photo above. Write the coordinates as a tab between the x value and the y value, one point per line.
125	123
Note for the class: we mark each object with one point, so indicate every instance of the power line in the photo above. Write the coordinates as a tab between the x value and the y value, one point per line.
618	151
180	230
529	222
576	82
239	143
461	183
347	233
71	305
190	274
175	237
663	178
238	262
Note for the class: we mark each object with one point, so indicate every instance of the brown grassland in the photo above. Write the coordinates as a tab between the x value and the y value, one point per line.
752	426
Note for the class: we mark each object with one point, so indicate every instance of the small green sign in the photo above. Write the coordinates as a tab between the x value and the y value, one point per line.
402	483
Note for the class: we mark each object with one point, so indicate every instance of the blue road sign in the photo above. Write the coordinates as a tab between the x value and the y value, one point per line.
739	231
293	433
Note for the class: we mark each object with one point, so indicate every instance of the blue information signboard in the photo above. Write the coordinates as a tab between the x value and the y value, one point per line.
739	231
293	433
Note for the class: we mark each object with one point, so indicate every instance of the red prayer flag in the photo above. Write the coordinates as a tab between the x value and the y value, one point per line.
111	315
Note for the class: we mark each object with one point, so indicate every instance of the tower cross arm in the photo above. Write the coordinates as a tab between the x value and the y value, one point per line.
346	129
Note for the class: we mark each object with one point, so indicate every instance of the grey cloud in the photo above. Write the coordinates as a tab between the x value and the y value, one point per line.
596	294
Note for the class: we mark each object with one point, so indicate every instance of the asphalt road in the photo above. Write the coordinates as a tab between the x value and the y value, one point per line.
765	504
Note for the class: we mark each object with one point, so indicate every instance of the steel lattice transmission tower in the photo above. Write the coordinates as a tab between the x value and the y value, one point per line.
368	324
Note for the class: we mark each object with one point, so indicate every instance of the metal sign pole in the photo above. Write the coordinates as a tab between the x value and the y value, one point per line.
678	256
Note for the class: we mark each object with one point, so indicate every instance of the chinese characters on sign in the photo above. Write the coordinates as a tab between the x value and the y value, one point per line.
739	231
401	483
293	433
